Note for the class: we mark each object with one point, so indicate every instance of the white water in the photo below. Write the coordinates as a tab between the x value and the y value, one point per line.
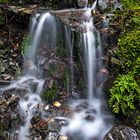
28	101
43	33
80	128
39	33
85	129
89	43
69	38
29	83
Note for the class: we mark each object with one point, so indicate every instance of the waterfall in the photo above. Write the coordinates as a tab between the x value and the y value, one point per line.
41	34
88	120
69	45
90	53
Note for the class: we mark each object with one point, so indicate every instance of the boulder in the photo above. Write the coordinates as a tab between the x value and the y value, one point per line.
121	133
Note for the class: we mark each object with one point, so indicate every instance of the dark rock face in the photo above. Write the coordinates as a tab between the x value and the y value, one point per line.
108	84
121	133
9	114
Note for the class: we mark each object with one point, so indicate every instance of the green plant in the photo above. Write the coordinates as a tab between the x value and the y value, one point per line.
66	78
3	1
136	68
124	94
25	44
131	4
50	94
129	49
2	17
124	97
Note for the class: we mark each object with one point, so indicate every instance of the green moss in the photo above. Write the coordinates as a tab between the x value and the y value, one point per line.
52	69
3	1
125	93
129	49
60	45
66	79
128	21
61	52
50	95
131	4
2	17
25	43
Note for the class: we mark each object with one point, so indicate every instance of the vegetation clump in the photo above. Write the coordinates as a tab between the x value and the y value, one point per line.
125	93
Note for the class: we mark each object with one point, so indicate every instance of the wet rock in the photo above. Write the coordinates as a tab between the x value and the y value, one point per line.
63	95
2	66
7	77
82	3
53	125
54	68
33	86
46	107
9	113
50	83
102	4
81	106
1	42
53	135
90	117
75	95
62	121
59	71
8	101
44	127
18	91
3	82
39	126
63	137
121	133
108	83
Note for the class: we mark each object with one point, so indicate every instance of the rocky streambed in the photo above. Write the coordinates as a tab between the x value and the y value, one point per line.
46	123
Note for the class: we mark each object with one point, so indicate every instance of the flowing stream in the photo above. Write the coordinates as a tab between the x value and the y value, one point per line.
90	122
95	126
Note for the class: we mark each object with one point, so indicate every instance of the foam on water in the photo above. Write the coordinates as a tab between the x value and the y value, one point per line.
44	27
79	127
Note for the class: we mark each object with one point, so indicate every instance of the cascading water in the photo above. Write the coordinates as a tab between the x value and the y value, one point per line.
89	43
44	27
42	33
69	43
89	119
31	81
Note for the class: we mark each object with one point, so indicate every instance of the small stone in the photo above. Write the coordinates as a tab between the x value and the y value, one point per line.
50	83
75	95
82	3
63	137
62	121
46	107
7	77
52	136
53	125
1	43
31	65
3	82
90	117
